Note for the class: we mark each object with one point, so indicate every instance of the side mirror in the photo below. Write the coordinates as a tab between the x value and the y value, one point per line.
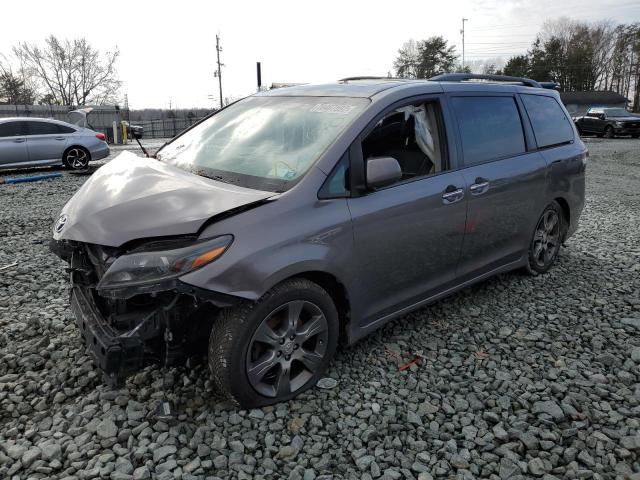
382	171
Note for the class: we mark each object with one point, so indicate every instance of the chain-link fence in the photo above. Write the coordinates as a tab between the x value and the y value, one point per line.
166	128
101	119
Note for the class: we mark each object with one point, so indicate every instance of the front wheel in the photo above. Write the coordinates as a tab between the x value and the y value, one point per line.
546	240
271	350
608	132
76	158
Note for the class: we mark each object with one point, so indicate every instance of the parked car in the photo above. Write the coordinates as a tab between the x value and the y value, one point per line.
608	122
297	217
35	142
134	131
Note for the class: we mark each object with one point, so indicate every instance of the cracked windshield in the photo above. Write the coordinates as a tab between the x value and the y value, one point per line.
265	143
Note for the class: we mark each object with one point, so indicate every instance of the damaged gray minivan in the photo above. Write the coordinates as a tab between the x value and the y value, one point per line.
297	217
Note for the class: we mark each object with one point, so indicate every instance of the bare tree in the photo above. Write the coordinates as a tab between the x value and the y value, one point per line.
71	72
406	64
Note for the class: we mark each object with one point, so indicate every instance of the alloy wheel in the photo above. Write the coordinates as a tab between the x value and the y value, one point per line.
546	239
77	158
287	348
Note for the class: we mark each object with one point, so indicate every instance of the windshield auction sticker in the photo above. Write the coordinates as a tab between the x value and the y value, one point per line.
332	108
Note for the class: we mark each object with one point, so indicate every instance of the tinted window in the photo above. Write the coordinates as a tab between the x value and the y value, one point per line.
12	129
411	135
45	128
550	124
490	128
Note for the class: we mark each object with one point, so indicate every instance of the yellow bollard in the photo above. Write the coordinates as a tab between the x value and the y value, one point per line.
125	137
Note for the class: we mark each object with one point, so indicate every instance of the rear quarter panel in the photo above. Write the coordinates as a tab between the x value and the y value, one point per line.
567	179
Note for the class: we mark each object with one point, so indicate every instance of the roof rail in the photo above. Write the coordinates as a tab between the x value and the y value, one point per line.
550	85
349	79
461	77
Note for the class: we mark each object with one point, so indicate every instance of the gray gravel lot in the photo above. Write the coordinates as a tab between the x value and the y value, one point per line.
524	377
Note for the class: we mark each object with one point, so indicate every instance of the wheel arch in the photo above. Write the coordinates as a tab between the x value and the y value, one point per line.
566	211
336	290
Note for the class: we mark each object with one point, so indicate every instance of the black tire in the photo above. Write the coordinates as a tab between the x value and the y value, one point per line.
608	132
635	135
76	158
235	345
546	240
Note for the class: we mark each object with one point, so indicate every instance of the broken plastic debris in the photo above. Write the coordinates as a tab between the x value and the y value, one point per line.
327	383
164	410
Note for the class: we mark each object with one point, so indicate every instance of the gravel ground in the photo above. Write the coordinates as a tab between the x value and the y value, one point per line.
524	377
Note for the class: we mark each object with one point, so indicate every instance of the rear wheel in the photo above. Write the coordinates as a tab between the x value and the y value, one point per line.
546	240
271	350
76	158
608	132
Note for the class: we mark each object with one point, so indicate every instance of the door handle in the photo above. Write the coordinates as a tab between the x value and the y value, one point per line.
452	195
60	138
480	187
19	140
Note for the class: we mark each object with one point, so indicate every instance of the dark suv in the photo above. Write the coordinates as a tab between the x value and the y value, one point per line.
299	216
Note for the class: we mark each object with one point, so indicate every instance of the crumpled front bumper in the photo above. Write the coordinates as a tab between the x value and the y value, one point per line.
117	354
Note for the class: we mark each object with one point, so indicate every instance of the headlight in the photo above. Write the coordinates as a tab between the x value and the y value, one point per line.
142	272
619	124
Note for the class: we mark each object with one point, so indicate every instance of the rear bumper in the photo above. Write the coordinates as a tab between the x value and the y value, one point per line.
626	131
100	152
117	354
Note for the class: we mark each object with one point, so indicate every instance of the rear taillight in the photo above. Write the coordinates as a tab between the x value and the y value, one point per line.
100	136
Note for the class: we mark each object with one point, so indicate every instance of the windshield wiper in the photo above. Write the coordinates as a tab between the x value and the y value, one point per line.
217	177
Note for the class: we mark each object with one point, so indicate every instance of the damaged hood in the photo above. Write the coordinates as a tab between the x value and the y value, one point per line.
133	197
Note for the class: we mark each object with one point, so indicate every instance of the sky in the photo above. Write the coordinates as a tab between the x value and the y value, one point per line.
167	49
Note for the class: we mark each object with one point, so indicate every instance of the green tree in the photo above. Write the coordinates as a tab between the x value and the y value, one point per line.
517	66
425	58
13	90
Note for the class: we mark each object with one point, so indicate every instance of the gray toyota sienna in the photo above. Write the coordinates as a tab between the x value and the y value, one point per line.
297	217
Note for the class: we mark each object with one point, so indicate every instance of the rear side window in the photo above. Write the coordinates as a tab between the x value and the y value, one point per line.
45	128
490	128
12	129
550	124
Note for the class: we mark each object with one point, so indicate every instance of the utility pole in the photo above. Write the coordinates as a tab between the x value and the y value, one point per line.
259	75
462	32
218	72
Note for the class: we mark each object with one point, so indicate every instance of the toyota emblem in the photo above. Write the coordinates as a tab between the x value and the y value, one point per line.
60	223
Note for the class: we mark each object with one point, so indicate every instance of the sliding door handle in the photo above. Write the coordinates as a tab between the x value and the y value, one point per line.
452	195
481	186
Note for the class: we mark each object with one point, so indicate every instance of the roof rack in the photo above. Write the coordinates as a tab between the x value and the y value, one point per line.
462	77
350	79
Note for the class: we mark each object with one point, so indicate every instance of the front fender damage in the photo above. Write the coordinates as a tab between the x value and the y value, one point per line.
125	333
